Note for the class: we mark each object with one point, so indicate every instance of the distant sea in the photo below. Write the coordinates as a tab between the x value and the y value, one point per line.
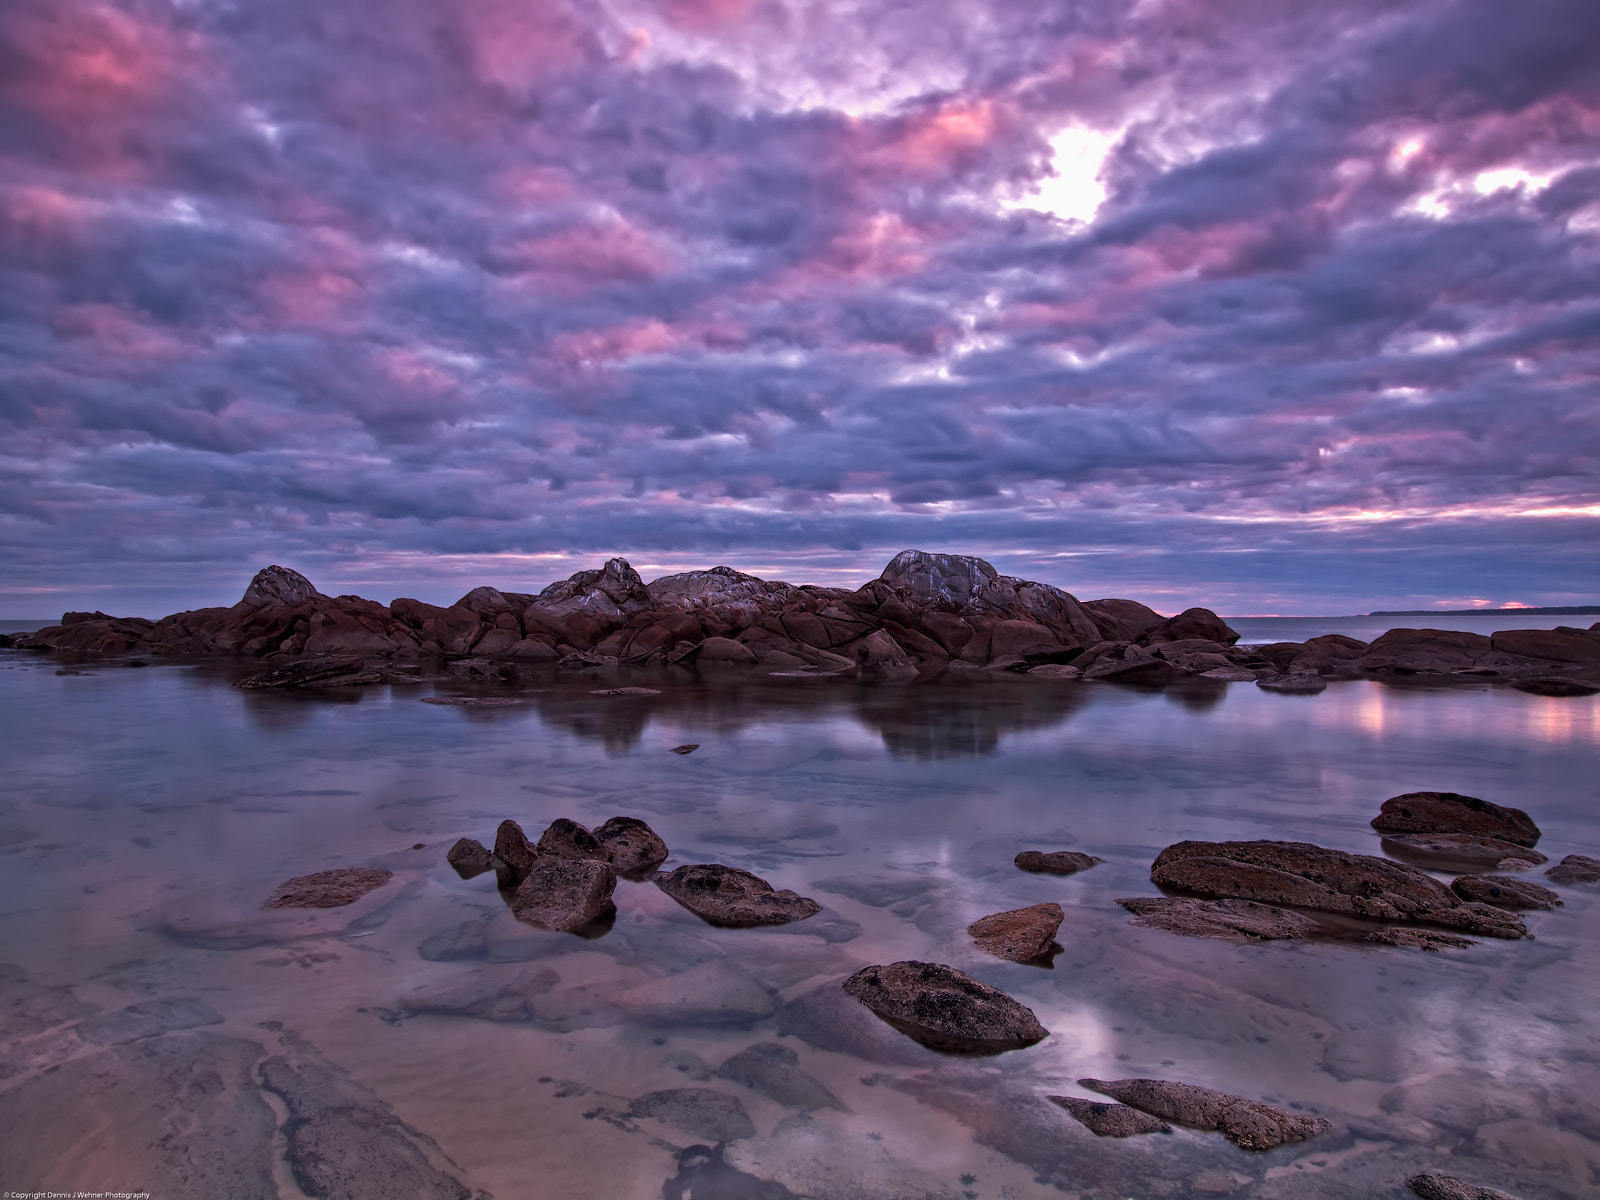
1259	630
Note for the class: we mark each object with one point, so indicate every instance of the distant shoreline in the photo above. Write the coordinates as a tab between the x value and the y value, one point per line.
1578	610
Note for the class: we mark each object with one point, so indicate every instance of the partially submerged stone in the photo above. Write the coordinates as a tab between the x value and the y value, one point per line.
1556	685
1448	1187
1575	868
945	1009
1226	920
1249	1124
564	893
634	847
303	673
1110	1120
514	852
1504	891
1451	812
1475	850
1419	939
328	889
774	1071
1021	935
715	993
1299	683
686	748
722	895
488	994
567	839
469	857
1056	862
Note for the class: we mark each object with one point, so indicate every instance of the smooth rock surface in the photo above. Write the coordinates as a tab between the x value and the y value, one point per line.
945	1009
328	889
564	893
1056	862
1504	891
1110	1120
1575	868
1249	1124
1451	812
488	993
1226	920
1465	848
1020	935
633	846
727	896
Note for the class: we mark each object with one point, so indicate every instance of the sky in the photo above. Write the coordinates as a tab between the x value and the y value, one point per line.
1261	305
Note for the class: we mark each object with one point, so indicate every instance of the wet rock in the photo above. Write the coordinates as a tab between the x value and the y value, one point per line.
717	993
1193	623
1419	939
1056	671
827	1019
1435	652
945	1009
564	893
488	994
328	889
1555	685
1303	875
727	896
774	1071
1470	850
1020	935
1504	891
1056	862
879	657
686	748
469	858
1448	1187
1249	1124
626	691
568	839
1297	684
1451	812
514	852
1575	868
1145	670
1226	920
633	846
725	650
303	674
1110	1120
699	1112
1229	674
467	941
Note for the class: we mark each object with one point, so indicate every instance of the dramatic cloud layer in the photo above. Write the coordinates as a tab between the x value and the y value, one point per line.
1274	306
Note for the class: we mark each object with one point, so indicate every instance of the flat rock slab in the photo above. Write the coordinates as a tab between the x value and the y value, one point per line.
302	674
1504	891
1297	684
1469	849
1249	1124
1575	868
1056	862
686	748
727	896
700	1112
634	847
1225	920
564	893
1451	812
626	691
1020	935
469	858
1448	1187
472	701
1302	875
328	889
945	1009
715	993
774	1071
1110	1120
1419	939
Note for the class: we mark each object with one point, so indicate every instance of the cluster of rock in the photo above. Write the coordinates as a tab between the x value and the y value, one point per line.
925	612
1147	1104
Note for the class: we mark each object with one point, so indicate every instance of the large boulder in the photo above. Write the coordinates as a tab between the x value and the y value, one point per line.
1575	868
1451	812
726	650
1192	623
1249	1124
727	896
565	838
1580	647
1437	652
945	1009
1122	620
564	894
279	585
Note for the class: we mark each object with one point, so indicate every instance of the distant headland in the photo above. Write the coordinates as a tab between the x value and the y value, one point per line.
1579	610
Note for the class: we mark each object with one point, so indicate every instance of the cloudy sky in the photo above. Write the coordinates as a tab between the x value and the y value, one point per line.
1271	306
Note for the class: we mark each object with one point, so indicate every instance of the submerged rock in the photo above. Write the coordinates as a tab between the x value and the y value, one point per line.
564	893
1451	812
1504	891
1056	862
737	899
1226	920
774	1071
1249	1124
700	1112
827	1019
1468	849
1021	935
1448	1187
945	1009
1299	683
1575	868
717	993
513	853
634	847
1110	1120
469	858
489	994
328	889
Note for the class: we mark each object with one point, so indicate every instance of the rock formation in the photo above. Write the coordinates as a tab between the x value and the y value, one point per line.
945	1009
1225	920
1249	1124
1056	862
1021	935
733	898
1451	812
1575	868
1110	1120
328	889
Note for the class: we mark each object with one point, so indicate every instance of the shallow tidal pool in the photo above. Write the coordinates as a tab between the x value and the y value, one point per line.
161	1032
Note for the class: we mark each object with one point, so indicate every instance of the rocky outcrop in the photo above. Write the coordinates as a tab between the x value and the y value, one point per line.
945	1009
1020	935
727	896
1225	920
1303	875
1056	862
1249	1124
328	889
1110	1120
1451	812
1575	868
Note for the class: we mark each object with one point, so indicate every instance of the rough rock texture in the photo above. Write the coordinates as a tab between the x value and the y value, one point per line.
1296	684
514	851
1307	876
564	893
945	1009
1056	862
469	858
1226	920
1468	849
567	839
1504	891
700	1112
1249	1124
1448	1187
328	889
1193	623
1021	935
880	657
827	1019
633	846
1575	868
774	1071
727	896
1451	812
1110	1120
304	673
1418	939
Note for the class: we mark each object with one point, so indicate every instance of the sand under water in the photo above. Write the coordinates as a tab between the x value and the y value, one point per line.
164	1033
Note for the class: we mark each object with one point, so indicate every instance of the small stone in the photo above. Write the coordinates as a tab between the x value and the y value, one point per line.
564	893
1226	920
328	889
1020	935
469	858
686	748
1503	891
945	1009
1057	862
727	896
1110	1120
634	847
774	1071
1249	1124
1575	868
1448	1187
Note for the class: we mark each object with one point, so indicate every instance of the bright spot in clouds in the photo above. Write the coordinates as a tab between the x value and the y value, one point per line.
1073	190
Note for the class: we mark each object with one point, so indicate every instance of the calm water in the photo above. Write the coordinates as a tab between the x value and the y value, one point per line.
1258	630
146	813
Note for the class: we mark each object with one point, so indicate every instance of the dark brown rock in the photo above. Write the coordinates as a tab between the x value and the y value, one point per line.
1448	1187
1504	891
328	889
1192	623
774	1071
1123	620
727	896
1110	1120
1249	1124
1555	685
633	845
469	858
1301	683
1436	652
686	748
1575	868
514	852
303	674
1056	862
945	1009
1580	647
567	839
1451	812
700	1112
1418	939
1226	920
1469	850
1021	935
725	650
564	893
879	657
